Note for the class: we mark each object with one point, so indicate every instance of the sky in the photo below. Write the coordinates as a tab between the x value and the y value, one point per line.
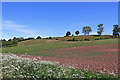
32	19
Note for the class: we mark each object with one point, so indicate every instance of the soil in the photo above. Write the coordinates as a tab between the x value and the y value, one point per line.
78	57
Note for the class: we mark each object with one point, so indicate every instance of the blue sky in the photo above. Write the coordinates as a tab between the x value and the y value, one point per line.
30	19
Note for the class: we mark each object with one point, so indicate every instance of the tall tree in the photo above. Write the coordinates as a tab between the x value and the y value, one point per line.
86	30
100	29
77	32
68	33
116	30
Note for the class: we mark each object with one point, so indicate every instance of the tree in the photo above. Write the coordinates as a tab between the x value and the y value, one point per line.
50	37
38	37
77	32
3	40
68	33
14	38
10	40
116	30
86	30
100	29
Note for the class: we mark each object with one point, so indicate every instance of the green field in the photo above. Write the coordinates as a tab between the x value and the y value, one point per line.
39	47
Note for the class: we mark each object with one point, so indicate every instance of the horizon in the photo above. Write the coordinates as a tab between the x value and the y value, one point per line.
54	19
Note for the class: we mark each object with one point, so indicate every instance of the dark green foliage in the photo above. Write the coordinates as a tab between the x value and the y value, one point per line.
10	40
86	39
72	39
102	38
56	38
20	39
77	32
13	42
68	33
38	37
116	30
30	38
100	29
86	30
81	40
50	37
14	38
3	40
97	39
9	43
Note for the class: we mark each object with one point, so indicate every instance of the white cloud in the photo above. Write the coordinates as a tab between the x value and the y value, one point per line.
93	33
18	29
10	25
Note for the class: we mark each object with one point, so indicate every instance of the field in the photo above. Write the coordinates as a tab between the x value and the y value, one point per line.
94	55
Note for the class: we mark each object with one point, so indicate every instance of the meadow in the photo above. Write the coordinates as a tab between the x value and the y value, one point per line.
39	46
90	59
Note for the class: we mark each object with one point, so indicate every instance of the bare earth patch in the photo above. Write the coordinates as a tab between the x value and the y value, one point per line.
52	40
106	62
70	42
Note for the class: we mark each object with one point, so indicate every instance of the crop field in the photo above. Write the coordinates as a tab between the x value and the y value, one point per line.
95	55
18	67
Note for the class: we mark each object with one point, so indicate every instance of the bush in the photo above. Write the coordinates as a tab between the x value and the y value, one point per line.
50	37
69	40
29	38
97	39
72	39
56	38
81	40
86	39
102	38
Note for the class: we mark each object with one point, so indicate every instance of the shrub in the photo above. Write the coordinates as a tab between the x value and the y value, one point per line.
101	38
69	40
97	39
80	39
56	38
50	37
86	39
73	39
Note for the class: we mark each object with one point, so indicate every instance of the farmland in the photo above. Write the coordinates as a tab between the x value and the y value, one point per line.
94	55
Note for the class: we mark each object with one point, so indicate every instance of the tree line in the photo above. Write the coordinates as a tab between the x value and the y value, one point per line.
87	29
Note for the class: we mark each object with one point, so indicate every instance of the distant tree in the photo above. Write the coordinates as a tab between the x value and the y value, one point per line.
72	34
100	29
50	37
86	30
10	40
3	40
15	42
116	30
38	37
68	33
30	38
56	38
14	38
77	32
